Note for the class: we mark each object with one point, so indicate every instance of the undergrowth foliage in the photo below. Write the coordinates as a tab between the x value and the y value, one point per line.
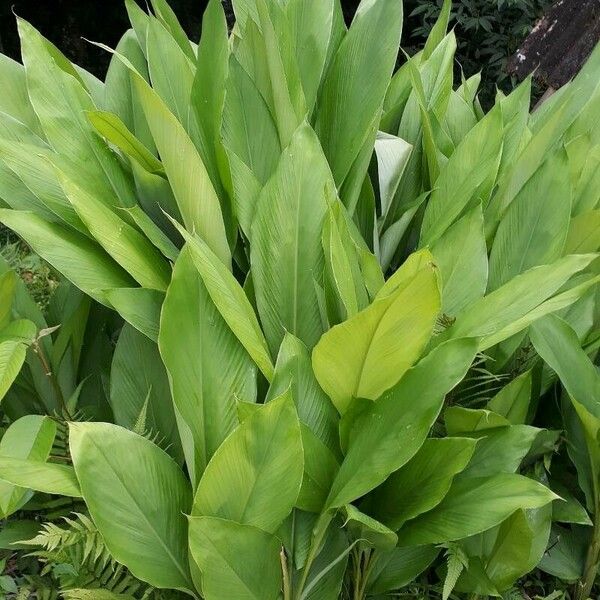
323	330
489	33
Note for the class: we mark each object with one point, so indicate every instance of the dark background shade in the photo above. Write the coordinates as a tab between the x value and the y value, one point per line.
67	22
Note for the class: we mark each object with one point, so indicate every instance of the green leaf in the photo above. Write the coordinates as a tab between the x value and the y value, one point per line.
583	235
79	259
28	438
208	367
559	302
231	301
31	163
40	476
559	347
534	227
377	446
15	102
320	468
570	509
252	144
14	341
421	483
512	401
566	554
255	475
129	248
138	381
115	131
140	307
461	255
14	532
293	370
191	184
208	90
286	251
312	31
528	529
473	505
168	18
500	450
515	299
236	560
347	107
460	420
392	158
438	31
367	531
120	97
171	72
352	274
124	479
399	567
287	97
368	353
466	178
61	102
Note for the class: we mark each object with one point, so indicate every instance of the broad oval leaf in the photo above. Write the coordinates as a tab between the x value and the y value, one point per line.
236	561
286	253
140	307
208	367
388	433
347	107
192	186
534	228
137	497
79	259
28	438
496	312
461	256
231	301
473	505
421	483
293	370
468	176
139	390
255	475
40	476
368	353
397	568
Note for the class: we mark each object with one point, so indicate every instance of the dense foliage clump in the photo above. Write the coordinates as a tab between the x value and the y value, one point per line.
324	328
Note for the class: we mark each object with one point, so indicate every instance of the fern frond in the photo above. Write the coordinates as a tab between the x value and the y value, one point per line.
93	594
78	558
457	561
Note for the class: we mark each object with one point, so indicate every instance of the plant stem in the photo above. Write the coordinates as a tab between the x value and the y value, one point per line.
38	349
287	591
356	560
369	564
318	534
583	587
